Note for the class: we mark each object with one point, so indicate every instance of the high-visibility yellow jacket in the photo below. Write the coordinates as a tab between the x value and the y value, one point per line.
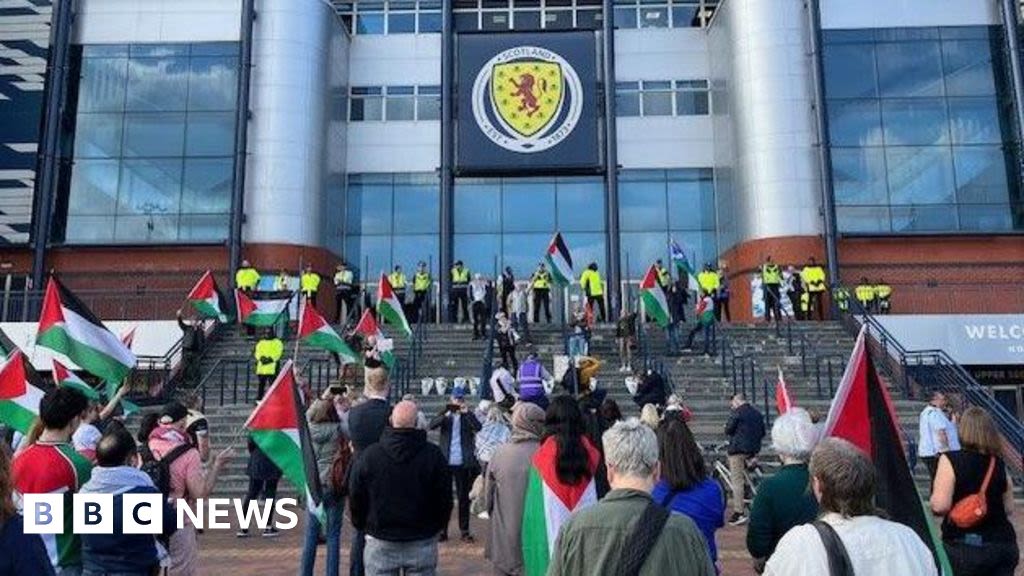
813	278
460	276
421	282
542	280
309	282
247	278
268	349
882	291
664	277
397	280
864	293
771	274
842	298
805	301
709	281
590	280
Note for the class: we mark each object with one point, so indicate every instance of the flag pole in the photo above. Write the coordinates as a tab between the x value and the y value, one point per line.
302	316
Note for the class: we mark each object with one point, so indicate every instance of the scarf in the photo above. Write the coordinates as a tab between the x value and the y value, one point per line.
527	423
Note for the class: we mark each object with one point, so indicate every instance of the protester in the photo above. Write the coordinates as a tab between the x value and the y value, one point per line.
684	486
197	427
366	423
267	352
610	412
625	337
478	304
458	428
503	386
784	499
651	389
627	532
188	481
51	465
508	286
400	495
32	558
674	407
990	546
745	430
507	337
333	457
505	489
843	480
493	434
518	308
193	337
116	473
723	296
936	433
532	376
649	415
706	319
264	476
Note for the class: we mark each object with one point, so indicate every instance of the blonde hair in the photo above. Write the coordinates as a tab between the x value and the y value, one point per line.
376	380
978	432
649	415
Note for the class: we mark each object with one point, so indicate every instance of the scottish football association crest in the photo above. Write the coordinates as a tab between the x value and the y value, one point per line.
527	99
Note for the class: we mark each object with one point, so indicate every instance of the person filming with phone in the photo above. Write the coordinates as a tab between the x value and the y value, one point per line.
458	439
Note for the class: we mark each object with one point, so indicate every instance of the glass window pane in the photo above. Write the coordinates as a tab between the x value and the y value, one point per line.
401	23
495	21
526	20
910	69
523	252
94	186
478	252
158	50
918	121
430	22
920	175
850	71
105	50
206	188
642	205
466	21
370	254
203	227
981	174
367	109
657	103
102	88
210	134
941	218
986	218
89	229
477	207
581	206
640	249
859	176
975	121
691	202
653	17
157	84
153	135
417	209
589	19
213	83
625	17
400	108
968	68
369	209
528	206
150	187
408	251
215	49
370	23
863	219
98	135
586	248
558	19
685	16
627	103
692	103
854	123
428	108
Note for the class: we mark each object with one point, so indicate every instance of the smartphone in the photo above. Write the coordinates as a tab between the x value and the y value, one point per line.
337	389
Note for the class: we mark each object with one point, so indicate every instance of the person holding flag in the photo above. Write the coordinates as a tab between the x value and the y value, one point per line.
316	332
664	276
705	313
783	401
192	337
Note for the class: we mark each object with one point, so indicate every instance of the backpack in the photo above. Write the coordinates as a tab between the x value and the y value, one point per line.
159	469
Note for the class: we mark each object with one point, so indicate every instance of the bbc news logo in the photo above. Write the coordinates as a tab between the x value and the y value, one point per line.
144	513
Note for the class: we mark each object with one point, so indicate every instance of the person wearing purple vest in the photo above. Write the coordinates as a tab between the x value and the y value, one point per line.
532	376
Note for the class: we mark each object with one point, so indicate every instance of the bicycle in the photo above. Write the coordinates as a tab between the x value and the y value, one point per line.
753	474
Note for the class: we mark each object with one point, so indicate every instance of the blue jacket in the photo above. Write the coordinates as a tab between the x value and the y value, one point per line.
120	552
703	503
25	554
745	430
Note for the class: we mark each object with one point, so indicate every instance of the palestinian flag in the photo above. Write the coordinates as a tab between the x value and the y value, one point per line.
128	337
684	266
66	326
206	298
862	413
316	332
783	401
560	260
278	426
367	326
19	394
390	307
64	377
653	297
259	312
549	503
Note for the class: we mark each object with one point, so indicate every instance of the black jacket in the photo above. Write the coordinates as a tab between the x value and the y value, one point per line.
260	466
651	390
400	488
366	423
745	430
470	426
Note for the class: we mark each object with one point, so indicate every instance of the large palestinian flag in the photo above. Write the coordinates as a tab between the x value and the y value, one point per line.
560	260
315	331
66	326
862	413
64	377
278	426
20	393
368	326
653	297
206	298
549	503
389	307
259	312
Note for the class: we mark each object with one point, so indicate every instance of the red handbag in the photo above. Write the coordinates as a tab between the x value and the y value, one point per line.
972	509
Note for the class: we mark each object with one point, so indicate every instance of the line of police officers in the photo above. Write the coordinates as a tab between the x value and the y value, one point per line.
807	288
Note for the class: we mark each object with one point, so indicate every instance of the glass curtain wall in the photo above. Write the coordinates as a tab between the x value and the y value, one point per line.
921	131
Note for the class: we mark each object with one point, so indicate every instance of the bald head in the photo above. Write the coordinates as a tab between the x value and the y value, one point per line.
404	415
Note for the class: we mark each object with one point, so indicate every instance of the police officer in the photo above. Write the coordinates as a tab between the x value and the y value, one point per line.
841	295
883	294
771	283
865	294
710	282
540	282
268	352
420	289
815	284
247	277
459	296
664	276
593	288
398	283
309	283
344	292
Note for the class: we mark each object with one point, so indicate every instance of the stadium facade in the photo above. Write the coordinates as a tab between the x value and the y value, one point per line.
142	141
